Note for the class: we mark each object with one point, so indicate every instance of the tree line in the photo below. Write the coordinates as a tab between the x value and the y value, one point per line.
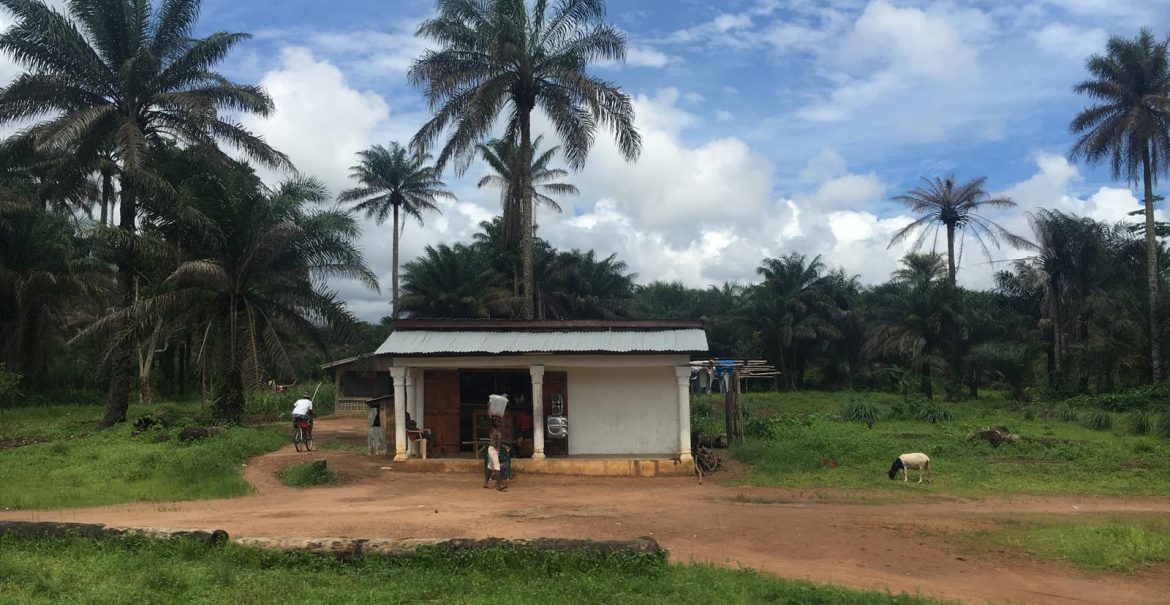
136	236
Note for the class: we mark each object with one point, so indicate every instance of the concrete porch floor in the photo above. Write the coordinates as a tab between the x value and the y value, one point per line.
591	466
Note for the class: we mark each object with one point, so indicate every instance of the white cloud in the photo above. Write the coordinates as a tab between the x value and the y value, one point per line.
320	121
910	41
643	56
827	164
722	115
1071	42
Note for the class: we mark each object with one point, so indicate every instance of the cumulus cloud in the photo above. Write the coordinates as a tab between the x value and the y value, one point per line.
320	121
1070	42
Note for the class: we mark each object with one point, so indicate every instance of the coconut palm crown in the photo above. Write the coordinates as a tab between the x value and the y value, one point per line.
955	207
503	157
508	58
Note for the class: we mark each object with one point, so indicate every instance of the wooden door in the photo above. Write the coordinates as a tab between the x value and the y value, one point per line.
556	384
441	408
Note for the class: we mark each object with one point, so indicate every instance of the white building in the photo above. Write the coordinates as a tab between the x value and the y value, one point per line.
621	388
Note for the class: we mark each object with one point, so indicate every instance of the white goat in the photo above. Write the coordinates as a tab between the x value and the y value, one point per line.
916	461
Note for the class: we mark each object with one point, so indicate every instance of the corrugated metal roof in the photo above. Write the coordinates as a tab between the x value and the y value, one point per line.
433	342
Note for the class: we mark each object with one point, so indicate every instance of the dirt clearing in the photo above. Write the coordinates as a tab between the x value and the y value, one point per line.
822	536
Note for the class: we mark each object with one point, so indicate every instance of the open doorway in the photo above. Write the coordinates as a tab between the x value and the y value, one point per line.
474	420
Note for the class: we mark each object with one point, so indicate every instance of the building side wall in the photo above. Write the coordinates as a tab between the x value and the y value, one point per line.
623	410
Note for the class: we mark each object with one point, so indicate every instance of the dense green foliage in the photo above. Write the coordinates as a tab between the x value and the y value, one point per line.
135	571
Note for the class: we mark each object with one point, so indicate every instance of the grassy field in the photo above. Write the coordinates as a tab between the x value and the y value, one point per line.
802	441
71	463
124	571
1112	544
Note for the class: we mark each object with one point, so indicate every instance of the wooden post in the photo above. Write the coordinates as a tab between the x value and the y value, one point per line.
728	415
738	407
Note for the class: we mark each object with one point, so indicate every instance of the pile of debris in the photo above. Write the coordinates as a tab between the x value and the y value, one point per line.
995	435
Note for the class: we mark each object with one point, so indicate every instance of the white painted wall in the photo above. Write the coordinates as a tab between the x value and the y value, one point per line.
623	410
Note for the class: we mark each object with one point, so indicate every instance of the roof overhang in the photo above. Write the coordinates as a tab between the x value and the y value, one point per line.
416	338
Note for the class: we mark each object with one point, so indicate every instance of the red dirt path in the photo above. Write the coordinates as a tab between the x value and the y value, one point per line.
783	531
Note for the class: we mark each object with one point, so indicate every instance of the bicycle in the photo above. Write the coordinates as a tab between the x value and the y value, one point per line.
706	462
303	435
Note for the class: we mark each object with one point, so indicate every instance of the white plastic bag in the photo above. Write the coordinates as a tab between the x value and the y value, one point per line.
496	404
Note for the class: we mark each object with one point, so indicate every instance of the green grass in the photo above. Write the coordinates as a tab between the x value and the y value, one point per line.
305	475
797	433
82	466
1101	544
136	571
336	445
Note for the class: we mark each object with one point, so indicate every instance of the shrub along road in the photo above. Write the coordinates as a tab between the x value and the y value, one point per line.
825	535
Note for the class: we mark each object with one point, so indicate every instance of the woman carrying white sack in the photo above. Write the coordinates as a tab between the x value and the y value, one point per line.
496	405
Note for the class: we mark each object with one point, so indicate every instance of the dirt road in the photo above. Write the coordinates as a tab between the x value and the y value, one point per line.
787	532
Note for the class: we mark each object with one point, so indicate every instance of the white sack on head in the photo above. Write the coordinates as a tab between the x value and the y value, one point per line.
496	404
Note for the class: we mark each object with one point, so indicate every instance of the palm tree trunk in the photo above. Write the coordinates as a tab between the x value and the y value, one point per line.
394	269
927	384
951	253
525	168
107	195
1057	380
1152	268
118	398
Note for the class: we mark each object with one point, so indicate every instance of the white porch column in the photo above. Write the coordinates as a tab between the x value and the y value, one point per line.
399	375
683	373
537	373
418	411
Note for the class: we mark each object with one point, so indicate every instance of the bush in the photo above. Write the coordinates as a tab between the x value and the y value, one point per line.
921	410
704	421
1098	420
1061	411
1139	422
9	383
861	411
759	427
1162	425
306	475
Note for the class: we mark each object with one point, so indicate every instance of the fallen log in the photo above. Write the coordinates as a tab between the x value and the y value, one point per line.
342	548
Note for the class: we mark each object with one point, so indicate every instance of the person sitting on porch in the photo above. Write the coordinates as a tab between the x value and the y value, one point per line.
524	430
414	433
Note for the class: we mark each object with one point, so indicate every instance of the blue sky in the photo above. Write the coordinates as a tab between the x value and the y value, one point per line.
769	126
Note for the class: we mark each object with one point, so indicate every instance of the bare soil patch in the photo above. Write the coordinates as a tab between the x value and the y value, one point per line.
820	535
11	443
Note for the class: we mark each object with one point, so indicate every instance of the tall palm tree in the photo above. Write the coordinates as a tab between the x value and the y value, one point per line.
510	57
1129	128
503	156
954	207
394	181
119	76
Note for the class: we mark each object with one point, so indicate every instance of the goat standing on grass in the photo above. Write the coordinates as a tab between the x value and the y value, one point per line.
905	462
